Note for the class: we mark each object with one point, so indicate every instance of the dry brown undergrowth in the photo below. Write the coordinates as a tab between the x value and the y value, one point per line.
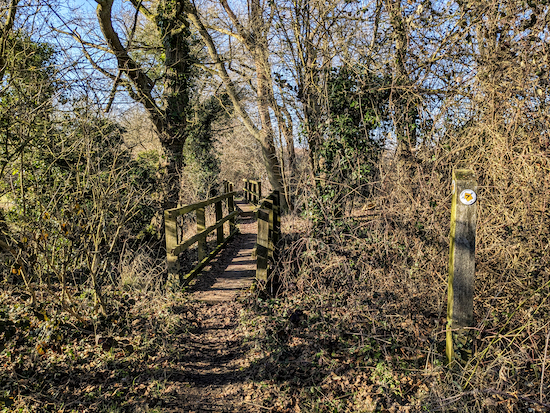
370	289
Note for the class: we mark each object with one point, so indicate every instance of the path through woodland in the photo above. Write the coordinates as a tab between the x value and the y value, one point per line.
210	372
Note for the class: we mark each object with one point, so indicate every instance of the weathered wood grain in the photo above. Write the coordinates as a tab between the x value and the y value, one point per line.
460	300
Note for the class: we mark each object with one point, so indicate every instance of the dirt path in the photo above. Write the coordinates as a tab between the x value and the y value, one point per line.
185	353
211	373
213	369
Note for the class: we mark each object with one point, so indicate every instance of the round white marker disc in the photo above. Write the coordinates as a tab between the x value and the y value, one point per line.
468	197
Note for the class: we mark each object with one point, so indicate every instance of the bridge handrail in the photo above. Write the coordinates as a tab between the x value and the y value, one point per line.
252	191
173	248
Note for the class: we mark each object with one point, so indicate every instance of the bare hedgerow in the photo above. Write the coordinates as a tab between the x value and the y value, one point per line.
386	261
83	205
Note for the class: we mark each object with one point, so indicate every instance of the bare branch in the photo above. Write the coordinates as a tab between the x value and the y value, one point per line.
192	15
140	7
240	28
126	64
6	29
82	42
238	37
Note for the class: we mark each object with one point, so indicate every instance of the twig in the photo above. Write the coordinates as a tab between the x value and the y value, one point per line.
544	364
495	392
257	405
514	396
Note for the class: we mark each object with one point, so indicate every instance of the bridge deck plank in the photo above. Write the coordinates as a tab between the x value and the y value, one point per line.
234	269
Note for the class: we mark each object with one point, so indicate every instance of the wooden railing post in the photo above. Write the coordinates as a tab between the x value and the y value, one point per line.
231	208
275	232
268	206
201	226
252	191
269	227
262	245
276	217
460	301
171	238
219	216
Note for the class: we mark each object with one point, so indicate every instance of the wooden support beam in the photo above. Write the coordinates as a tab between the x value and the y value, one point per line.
262	245
201	226
219	215
171	239
460	301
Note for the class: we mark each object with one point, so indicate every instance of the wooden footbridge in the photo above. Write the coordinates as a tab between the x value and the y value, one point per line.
252	221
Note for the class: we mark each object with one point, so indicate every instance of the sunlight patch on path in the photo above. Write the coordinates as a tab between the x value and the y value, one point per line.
234	269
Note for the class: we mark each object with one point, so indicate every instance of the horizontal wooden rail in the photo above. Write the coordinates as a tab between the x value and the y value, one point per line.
195	238
192	207
173	248
252	191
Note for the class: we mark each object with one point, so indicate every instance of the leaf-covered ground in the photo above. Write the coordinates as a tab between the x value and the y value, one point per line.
344	336
338	353
156	355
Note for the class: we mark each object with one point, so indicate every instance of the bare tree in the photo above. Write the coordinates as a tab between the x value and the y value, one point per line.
168	113
255	39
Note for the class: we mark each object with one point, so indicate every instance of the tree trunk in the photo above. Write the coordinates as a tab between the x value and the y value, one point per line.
308	79
258	45
169	119
5	32
405	103
285	123
174	31
256	42
269	153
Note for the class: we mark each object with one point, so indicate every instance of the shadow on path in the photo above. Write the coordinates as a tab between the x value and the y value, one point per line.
234	268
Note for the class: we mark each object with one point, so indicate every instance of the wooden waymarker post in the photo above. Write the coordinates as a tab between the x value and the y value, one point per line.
460	299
